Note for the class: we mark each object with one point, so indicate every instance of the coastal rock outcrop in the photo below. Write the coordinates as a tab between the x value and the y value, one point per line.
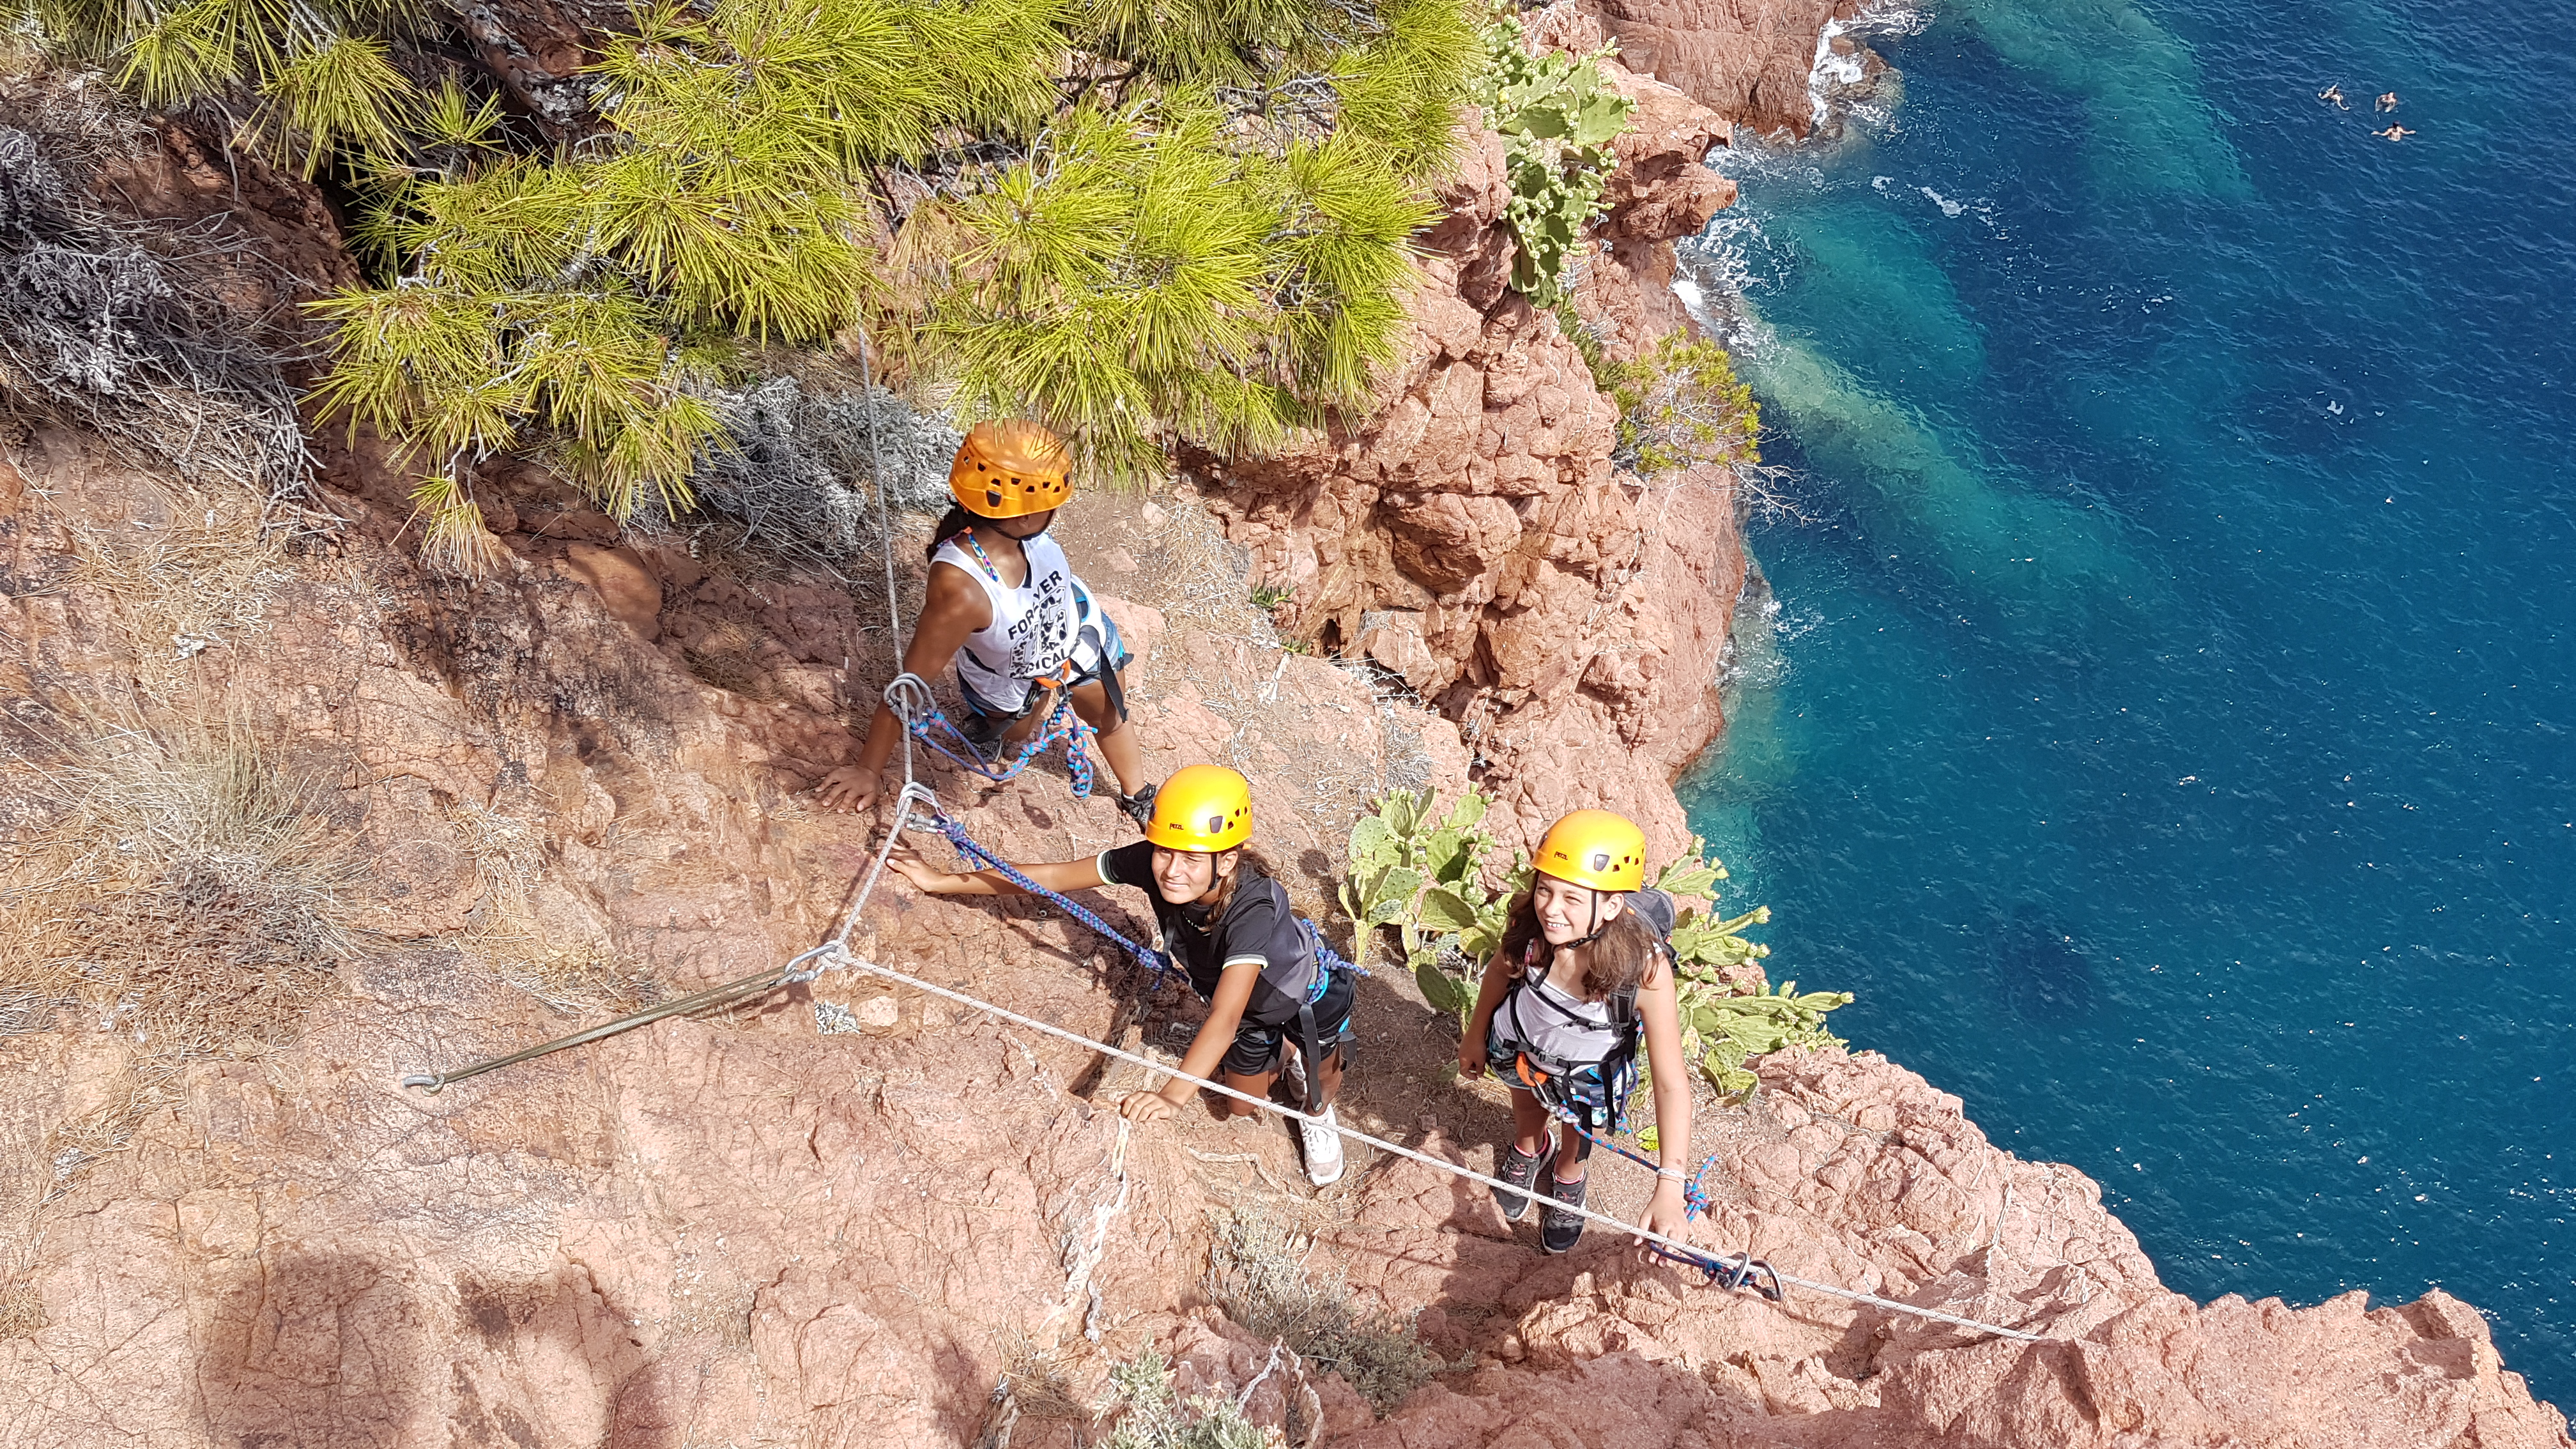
1852	1171
855	1212
1749	60
1473	536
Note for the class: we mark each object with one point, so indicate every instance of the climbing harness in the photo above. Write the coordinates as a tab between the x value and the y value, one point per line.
910	698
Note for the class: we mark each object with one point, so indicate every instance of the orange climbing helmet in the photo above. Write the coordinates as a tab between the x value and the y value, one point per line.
1202	807
1594	848
1009	469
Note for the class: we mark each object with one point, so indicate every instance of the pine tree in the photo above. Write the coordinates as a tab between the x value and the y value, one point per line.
1152	218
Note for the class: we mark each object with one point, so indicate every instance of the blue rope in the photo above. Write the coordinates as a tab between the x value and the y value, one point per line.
1061	724
1745	1270
967	847
1327	961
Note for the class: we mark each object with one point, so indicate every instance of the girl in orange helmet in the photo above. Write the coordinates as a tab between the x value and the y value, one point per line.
1270	986
1584	970
1006	607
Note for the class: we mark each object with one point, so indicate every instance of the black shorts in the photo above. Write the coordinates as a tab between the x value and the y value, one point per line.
1256	1048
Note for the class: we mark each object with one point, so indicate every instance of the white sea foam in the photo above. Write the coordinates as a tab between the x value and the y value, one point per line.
1948	207
1833	73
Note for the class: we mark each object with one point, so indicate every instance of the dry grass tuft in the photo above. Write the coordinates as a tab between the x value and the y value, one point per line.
187	893
728	657
22	1313
1257	1275
1038	1380
200	576
505	933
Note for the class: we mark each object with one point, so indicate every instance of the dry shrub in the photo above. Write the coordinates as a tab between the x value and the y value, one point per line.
1038	1381
122	325
22	1313
728	657
188	892
1257	1275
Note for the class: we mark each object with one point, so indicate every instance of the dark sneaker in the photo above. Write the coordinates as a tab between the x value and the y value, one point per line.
984	732
1139	806
1516	1169
1558	1232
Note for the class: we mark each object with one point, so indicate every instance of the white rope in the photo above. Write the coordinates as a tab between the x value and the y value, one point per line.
1381	1144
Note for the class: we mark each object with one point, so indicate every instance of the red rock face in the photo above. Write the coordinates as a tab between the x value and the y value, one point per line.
1472	535
1853	1171
1746	59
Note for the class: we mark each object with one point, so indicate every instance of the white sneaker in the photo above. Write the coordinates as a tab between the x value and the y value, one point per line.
1323	1150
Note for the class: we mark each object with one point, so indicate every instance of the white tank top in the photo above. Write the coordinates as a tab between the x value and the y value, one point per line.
1037	628
1553	1024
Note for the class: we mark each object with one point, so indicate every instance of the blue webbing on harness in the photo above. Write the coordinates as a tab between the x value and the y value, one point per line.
1694	1201
1746	1269
1327	961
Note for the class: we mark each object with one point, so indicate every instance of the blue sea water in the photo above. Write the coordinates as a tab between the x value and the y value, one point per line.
2166	722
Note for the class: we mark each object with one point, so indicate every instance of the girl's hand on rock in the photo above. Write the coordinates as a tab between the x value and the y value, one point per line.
848	789
1667	1216
904	861
1142	1107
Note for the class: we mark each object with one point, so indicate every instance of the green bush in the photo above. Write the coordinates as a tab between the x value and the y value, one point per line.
1680	406
1721	1026
1189	217
1560	117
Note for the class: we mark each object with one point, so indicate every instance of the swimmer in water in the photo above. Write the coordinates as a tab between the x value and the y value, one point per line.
2387	102
2394	133
2334	95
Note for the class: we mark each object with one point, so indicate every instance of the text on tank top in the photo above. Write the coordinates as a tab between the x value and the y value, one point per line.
1036	627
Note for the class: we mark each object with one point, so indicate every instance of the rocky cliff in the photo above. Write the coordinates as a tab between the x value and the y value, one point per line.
1749	59
1472	534
289	819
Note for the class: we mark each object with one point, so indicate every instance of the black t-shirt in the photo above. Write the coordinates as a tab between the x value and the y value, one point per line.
1258	926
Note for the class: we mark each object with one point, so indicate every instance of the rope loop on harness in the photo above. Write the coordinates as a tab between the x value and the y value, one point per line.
910	698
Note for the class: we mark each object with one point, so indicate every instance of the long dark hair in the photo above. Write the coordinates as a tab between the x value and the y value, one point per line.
1620	957
952	523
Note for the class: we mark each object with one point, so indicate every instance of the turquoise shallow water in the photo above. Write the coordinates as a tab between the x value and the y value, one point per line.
2167	720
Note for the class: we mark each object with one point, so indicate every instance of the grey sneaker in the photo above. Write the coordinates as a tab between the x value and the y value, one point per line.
1558	1232
1323	1150
1516	1169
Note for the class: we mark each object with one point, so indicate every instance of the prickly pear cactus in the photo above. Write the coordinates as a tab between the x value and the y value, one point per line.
1560	116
